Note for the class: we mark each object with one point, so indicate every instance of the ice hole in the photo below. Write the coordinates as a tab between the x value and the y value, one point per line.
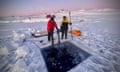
64	57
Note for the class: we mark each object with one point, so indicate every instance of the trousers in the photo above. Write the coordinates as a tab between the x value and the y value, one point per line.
50	37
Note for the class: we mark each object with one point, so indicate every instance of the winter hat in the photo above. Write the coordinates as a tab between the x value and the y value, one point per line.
48	16
64	17
53	16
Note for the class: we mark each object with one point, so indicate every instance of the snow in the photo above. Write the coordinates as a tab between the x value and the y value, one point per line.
26	20
3	51
19	52
19	66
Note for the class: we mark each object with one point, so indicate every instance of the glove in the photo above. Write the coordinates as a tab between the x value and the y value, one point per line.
57	30
70	23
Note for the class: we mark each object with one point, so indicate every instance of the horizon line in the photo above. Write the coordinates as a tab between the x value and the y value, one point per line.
60	10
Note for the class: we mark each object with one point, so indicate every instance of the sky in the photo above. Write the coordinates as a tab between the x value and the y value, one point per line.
36	7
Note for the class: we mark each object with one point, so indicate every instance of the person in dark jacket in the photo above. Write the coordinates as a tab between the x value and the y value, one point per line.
51	25
64	27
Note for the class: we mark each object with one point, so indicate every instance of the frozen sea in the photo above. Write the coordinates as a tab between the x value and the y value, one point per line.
20	52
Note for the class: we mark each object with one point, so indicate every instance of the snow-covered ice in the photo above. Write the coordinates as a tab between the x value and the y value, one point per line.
19	52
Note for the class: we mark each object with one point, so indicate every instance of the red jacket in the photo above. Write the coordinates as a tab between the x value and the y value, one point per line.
51	26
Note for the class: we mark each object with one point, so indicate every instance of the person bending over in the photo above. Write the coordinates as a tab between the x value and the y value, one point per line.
51	25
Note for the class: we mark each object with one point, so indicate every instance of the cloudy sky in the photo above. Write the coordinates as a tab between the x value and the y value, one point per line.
34	7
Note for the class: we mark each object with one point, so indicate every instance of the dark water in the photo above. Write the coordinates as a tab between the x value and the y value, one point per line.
64	58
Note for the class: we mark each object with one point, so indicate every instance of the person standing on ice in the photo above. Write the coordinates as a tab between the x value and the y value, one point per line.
64	27
51	25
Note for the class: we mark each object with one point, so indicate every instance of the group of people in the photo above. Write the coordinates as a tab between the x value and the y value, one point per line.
51	25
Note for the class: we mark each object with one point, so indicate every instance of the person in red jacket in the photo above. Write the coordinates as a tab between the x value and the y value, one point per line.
50	28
